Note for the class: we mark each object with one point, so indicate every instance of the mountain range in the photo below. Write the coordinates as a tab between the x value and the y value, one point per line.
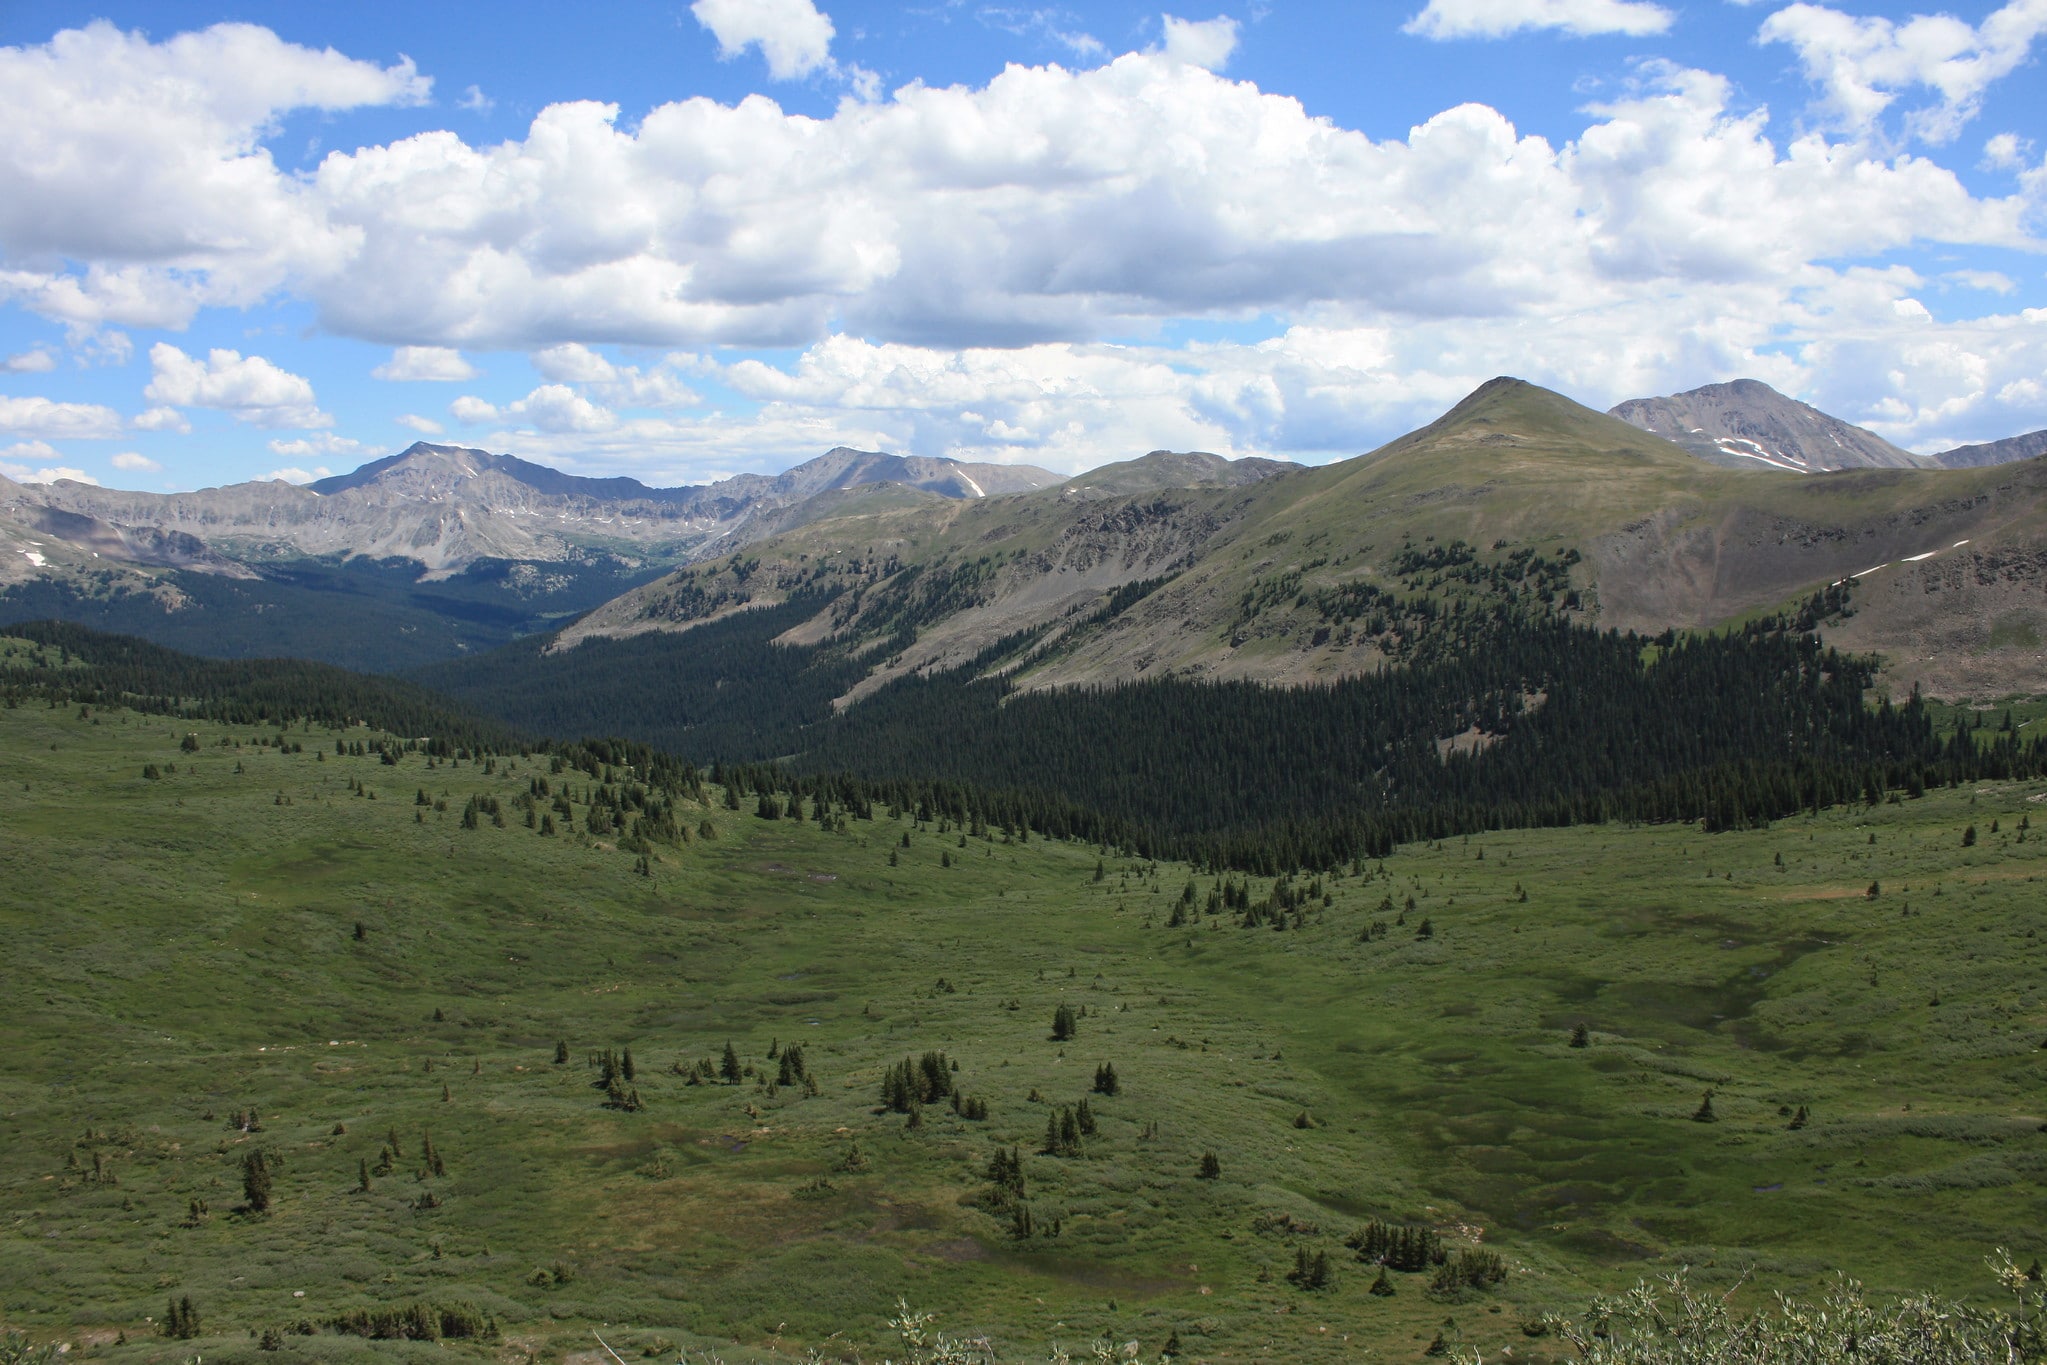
1670	513
1272	580
435	551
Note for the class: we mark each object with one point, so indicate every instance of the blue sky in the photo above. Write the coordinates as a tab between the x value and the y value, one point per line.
683	240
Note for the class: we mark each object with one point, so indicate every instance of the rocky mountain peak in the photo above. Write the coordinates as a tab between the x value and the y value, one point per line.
1744	423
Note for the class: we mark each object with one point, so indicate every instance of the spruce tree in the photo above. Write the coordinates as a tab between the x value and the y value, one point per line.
1064	1024
729	1067
256	1181
1211	1168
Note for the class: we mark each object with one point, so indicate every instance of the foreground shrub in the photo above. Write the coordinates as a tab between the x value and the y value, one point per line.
415	1322
1674	1323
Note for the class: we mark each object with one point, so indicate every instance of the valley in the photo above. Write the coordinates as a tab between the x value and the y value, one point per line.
270	927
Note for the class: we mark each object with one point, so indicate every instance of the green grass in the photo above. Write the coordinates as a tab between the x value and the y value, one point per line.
181	949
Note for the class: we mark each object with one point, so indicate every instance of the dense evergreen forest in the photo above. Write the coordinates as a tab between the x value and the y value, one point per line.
86	667
1507	713
1504	719
1537	723
372	615
720	691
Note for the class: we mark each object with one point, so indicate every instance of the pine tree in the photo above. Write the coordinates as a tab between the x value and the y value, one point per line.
729	1068
1064	1024
362	1174
1581	1036
1105	1080
1211	1168
625	1064
181	1319
256	1181
1704	1113
561	1052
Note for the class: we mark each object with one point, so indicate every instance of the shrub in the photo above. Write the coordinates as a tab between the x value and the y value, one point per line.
420	1321
1672	1323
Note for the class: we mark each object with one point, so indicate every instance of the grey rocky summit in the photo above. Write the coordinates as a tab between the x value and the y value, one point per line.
1745	424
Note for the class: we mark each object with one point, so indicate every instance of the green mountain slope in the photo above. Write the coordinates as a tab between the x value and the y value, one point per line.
271	947
1525	490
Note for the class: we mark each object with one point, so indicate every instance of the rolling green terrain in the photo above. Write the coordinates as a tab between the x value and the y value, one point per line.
286	932
1516	495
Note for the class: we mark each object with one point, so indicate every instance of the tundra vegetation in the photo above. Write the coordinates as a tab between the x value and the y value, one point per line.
300	1059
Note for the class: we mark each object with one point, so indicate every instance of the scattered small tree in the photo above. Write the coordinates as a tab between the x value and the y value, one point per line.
256	1181
181	1322
1311	1269
1064	1024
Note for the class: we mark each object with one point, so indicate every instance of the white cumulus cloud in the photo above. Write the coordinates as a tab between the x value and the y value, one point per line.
573	363
135	463
981	240
440	364
18	462
250	387
1207	43
160	419
318	443
626	386
36	361
1864	63
45	418
792	35
1443	19
559	408
425	426
145	159
293	474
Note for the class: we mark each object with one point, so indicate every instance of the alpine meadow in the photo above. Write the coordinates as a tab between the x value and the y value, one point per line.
774	683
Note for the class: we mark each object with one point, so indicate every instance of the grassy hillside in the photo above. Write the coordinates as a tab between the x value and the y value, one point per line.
1397	1044
1253	582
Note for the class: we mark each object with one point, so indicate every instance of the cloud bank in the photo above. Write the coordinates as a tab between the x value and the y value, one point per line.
986	270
